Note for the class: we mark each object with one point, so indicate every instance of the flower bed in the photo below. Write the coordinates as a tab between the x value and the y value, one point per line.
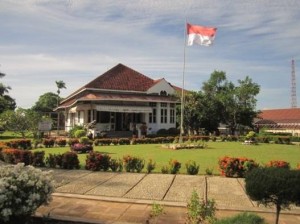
81	148
236	167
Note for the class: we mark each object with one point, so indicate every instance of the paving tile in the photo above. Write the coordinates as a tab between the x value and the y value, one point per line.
227	192
117	186
63	177
183	186
85	183
152	187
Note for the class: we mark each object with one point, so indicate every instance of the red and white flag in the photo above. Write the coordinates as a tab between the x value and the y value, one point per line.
200	35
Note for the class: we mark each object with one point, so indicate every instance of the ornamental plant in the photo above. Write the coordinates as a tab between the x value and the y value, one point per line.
48	142
236	167
174	166
70	161
14	156
61	142
116	165
199	211
81	148
23	190
19	144
192	168
278	164
96	161
38	159
54	160
150	165
298	166
132	163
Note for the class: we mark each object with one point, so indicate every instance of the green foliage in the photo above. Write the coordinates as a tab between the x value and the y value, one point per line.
174	166
274	186
199	211
132	163
20	195
156	210
242	218
85	140
150	166
116	165
6	102
192	168
46	102
23	121
70	161
74	129
236	167
96	161
54	160
80	133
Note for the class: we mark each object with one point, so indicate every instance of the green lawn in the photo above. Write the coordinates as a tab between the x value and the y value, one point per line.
207	158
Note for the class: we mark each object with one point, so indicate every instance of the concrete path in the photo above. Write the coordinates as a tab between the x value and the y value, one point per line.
106	197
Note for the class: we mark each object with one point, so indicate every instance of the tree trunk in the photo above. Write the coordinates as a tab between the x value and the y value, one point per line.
278	208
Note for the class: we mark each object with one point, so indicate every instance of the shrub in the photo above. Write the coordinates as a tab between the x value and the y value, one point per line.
199	211
19	144
174	166
298	166
72	141
20	195
116	165
132	164
150	166
70	161
81	148
245	218
85	140
162	132
96	161
38	158
192	168
74	129
278	164
48	142
236	167
15	156
124	141
102	141
209	171
54	160
165	169
61	142
79	133
274	186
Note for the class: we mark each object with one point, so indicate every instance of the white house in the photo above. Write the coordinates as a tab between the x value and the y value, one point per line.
119	99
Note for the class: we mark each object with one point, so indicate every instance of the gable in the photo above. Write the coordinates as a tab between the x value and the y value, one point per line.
161	85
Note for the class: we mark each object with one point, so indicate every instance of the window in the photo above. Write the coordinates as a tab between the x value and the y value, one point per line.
163	93
103	117
163	104
152	104
152	116
163	115
172	116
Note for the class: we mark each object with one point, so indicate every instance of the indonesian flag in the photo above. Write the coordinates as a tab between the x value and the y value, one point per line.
200	35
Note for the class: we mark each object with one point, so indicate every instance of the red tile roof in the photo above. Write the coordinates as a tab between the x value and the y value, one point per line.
291	115
121	77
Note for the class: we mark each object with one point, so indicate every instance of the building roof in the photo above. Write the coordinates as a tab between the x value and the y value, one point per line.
122	77
291	115
119	82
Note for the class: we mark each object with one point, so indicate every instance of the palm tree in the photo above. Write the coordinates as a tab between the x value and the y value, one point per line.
60	85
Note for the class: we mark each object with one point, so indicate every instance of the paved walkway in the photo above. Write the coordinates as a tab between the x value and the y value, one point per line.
106	197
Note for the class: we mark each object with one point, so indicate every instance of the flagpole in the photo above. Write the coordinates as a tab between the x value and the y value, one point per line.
182	90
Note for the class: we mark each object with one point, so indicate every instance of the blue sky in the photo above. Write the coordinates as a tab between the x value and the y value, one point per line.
75	41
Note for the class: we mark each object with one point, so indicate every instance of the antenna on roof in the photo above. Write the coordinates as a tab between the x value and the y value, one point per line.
294	88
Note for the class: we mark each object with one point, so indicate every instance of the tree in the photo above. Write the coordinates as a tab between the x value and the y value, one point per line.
274	186
6	102
46	103
21	121
60	85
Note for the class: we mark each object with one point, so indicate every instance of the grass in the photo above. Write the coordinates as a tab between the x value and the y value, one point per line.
207	158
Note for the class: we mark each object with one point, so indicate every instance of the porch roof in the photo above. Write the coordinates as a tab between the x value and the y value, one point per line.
105	97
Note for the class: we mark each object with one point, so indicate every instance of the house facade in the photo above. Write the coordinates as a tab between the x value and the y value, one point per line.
280	121
122	99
